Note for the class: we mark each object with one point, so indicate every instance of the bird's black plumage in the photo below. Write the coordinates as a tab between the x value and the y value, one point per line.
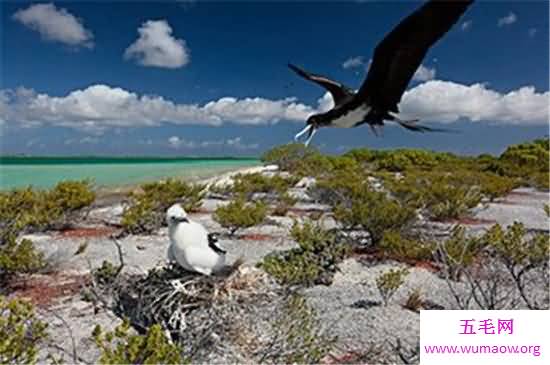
212	240
396	58
340	93
401	52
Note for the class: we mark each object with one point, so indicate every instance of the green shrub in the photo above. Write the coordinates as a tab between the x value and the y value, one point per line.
540	180
69	196
494	186
146	213
22	209
313	262
19	257
302	334
248	184
27	209
404	159
534	154
395	245
441	195
364	156
514	250
372	211
239	214
142	217
21	332
458	252
121	347
288	156
527	161
389	282
106	274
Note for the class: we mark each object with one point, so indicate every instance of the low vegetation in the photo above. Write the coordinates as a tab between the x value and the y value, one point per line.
389	282
122	347
414	301
272	190
239	214
357	205
21	332
395	245
300	333
500	268
440	196
313	262
29	210
18	258
148	205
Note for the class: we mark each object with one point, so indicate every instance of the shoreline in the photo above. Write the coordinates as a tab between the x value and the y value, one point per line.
111	178
111	195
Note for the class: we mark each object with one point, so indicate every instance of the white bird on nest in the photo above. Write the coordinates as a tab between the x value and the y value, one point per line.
192	247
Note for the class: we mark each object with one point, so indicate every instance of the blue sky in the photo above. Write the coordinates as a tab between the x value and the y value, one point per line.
210	78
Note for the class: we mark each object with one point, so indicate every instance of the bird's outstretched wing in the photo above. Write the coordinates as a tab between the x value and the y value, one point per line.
401	52
339	92
212	240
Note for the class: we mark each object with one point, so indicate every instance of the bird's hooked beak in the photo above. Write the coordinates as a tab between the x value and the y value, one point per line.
308	128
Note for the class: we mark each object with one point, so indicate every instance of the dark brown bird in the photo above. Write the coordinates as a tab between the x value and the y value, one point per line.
395	61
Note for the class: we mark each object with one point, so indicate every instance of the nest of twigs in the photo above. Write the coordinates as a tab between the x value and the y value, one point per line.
228	317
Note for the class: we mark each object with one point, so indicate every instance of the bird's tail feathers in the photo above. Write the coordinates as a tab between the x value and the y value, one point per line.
412	126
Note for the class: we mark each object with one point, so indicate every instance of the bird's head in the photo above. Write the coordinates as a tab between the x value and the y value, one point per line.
314	121
312	124
176	214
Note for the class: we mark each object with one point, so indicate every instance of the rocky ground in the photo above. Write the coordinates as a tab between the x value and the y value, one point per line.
348	308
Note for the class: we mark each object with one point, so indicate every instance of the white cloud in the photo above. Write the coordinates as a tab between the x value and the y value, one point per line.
532	32
157	47
55	25
446	101
101	107
177	142
509	19
235	143
466	25
353	62
424	73
238	144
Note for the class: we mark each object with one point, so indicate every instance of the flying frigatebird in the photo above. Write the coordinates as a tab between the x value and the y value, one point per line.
395	61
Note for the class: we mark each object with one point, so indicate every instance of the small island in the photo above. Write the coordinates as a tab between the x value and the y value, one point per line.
323	250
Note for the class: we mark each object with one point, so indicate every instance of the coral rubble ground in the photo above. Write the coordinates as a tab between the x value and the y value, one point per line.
309	283
347	307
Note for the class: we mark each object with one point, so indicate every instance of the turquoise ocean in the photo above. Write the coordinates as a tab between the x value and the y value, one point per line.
44	172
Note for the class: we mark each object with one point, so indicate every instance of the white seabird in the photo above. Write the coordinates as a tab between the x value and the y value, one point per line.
191	246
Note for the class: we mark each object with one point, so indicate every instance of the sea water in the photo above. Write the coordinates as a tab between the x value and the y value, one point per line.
44	172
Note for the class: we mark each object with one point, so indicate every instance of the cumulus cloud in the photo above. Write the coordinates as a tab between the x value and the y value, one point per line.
509	19
238	144
157	47
424	73
235	143
101	107
446	101
55	24
466	25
